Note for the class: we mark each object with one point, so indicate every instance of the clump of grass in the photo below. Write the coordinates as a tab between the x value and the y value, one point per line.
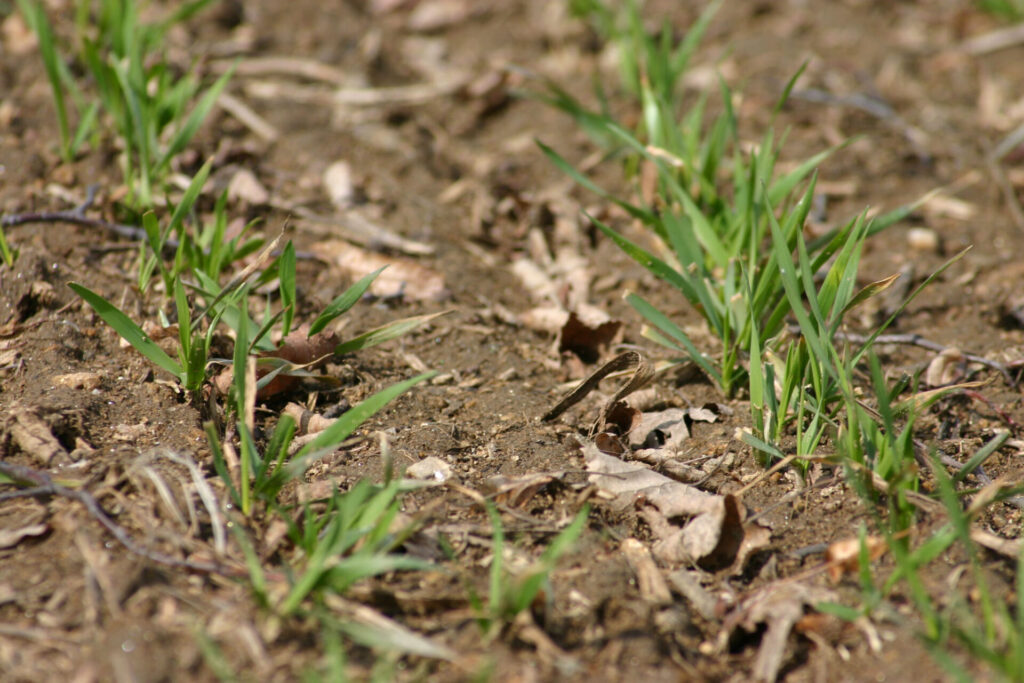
8	255
713	204
729	235
154	112
511	593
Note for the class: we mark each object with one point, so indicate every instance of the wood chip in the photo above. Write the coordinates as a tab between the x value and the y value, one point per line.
651	583
401	278
33	436
79	380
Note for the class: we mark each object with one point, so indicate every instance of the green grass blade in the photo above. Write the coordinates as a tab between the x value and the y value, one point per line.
286	276
195	119
6	253
384	333
906	302
782	187
655	265
188	199
696	31
581	180
975	461
662	322
86	124
784	97
35	17
128	330
495	596
344	302
350	421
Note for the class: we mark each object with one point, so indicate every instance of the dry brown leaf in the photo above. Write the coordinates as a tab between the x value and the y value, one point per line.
588	341
780	606
755	537
537	282
714	531
663	429
518	491
12	537
402	277
687	583
844	556
298	349
549	319
246	187
946	368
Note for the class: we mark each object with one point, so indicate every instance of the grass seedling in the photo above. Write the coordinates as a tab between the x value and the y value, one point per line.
60	79
261	476
189	368
7	254
154	112
351	541
509	594
1010	10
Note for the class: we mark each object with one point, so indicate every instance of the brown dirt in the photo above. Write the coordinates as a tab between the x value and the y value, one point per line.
73	602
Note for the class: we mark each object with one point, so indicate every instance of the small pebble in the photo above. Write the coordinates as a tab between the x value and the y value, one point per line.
923	239
430	468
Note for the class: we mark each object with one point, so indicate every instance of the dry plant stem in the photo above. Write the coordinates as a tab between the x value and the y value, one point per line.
995	169
1003	415
875	107
77	216
43	485
914	339
994	40
630	359
283	66
249	118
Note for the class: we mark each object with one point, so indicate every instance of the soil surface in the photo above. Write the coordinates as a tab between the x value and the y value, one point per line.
428	106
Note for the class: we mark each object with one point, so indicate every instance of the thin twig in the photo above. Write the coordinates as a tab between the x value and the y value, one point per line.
994	40
915	339
75	216
874	106
995	169
43	485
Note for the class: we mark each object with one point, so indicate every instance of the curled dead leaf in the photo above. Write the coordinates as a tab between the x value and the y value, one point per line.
588	340
307	422
713	532
947	367
780	606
